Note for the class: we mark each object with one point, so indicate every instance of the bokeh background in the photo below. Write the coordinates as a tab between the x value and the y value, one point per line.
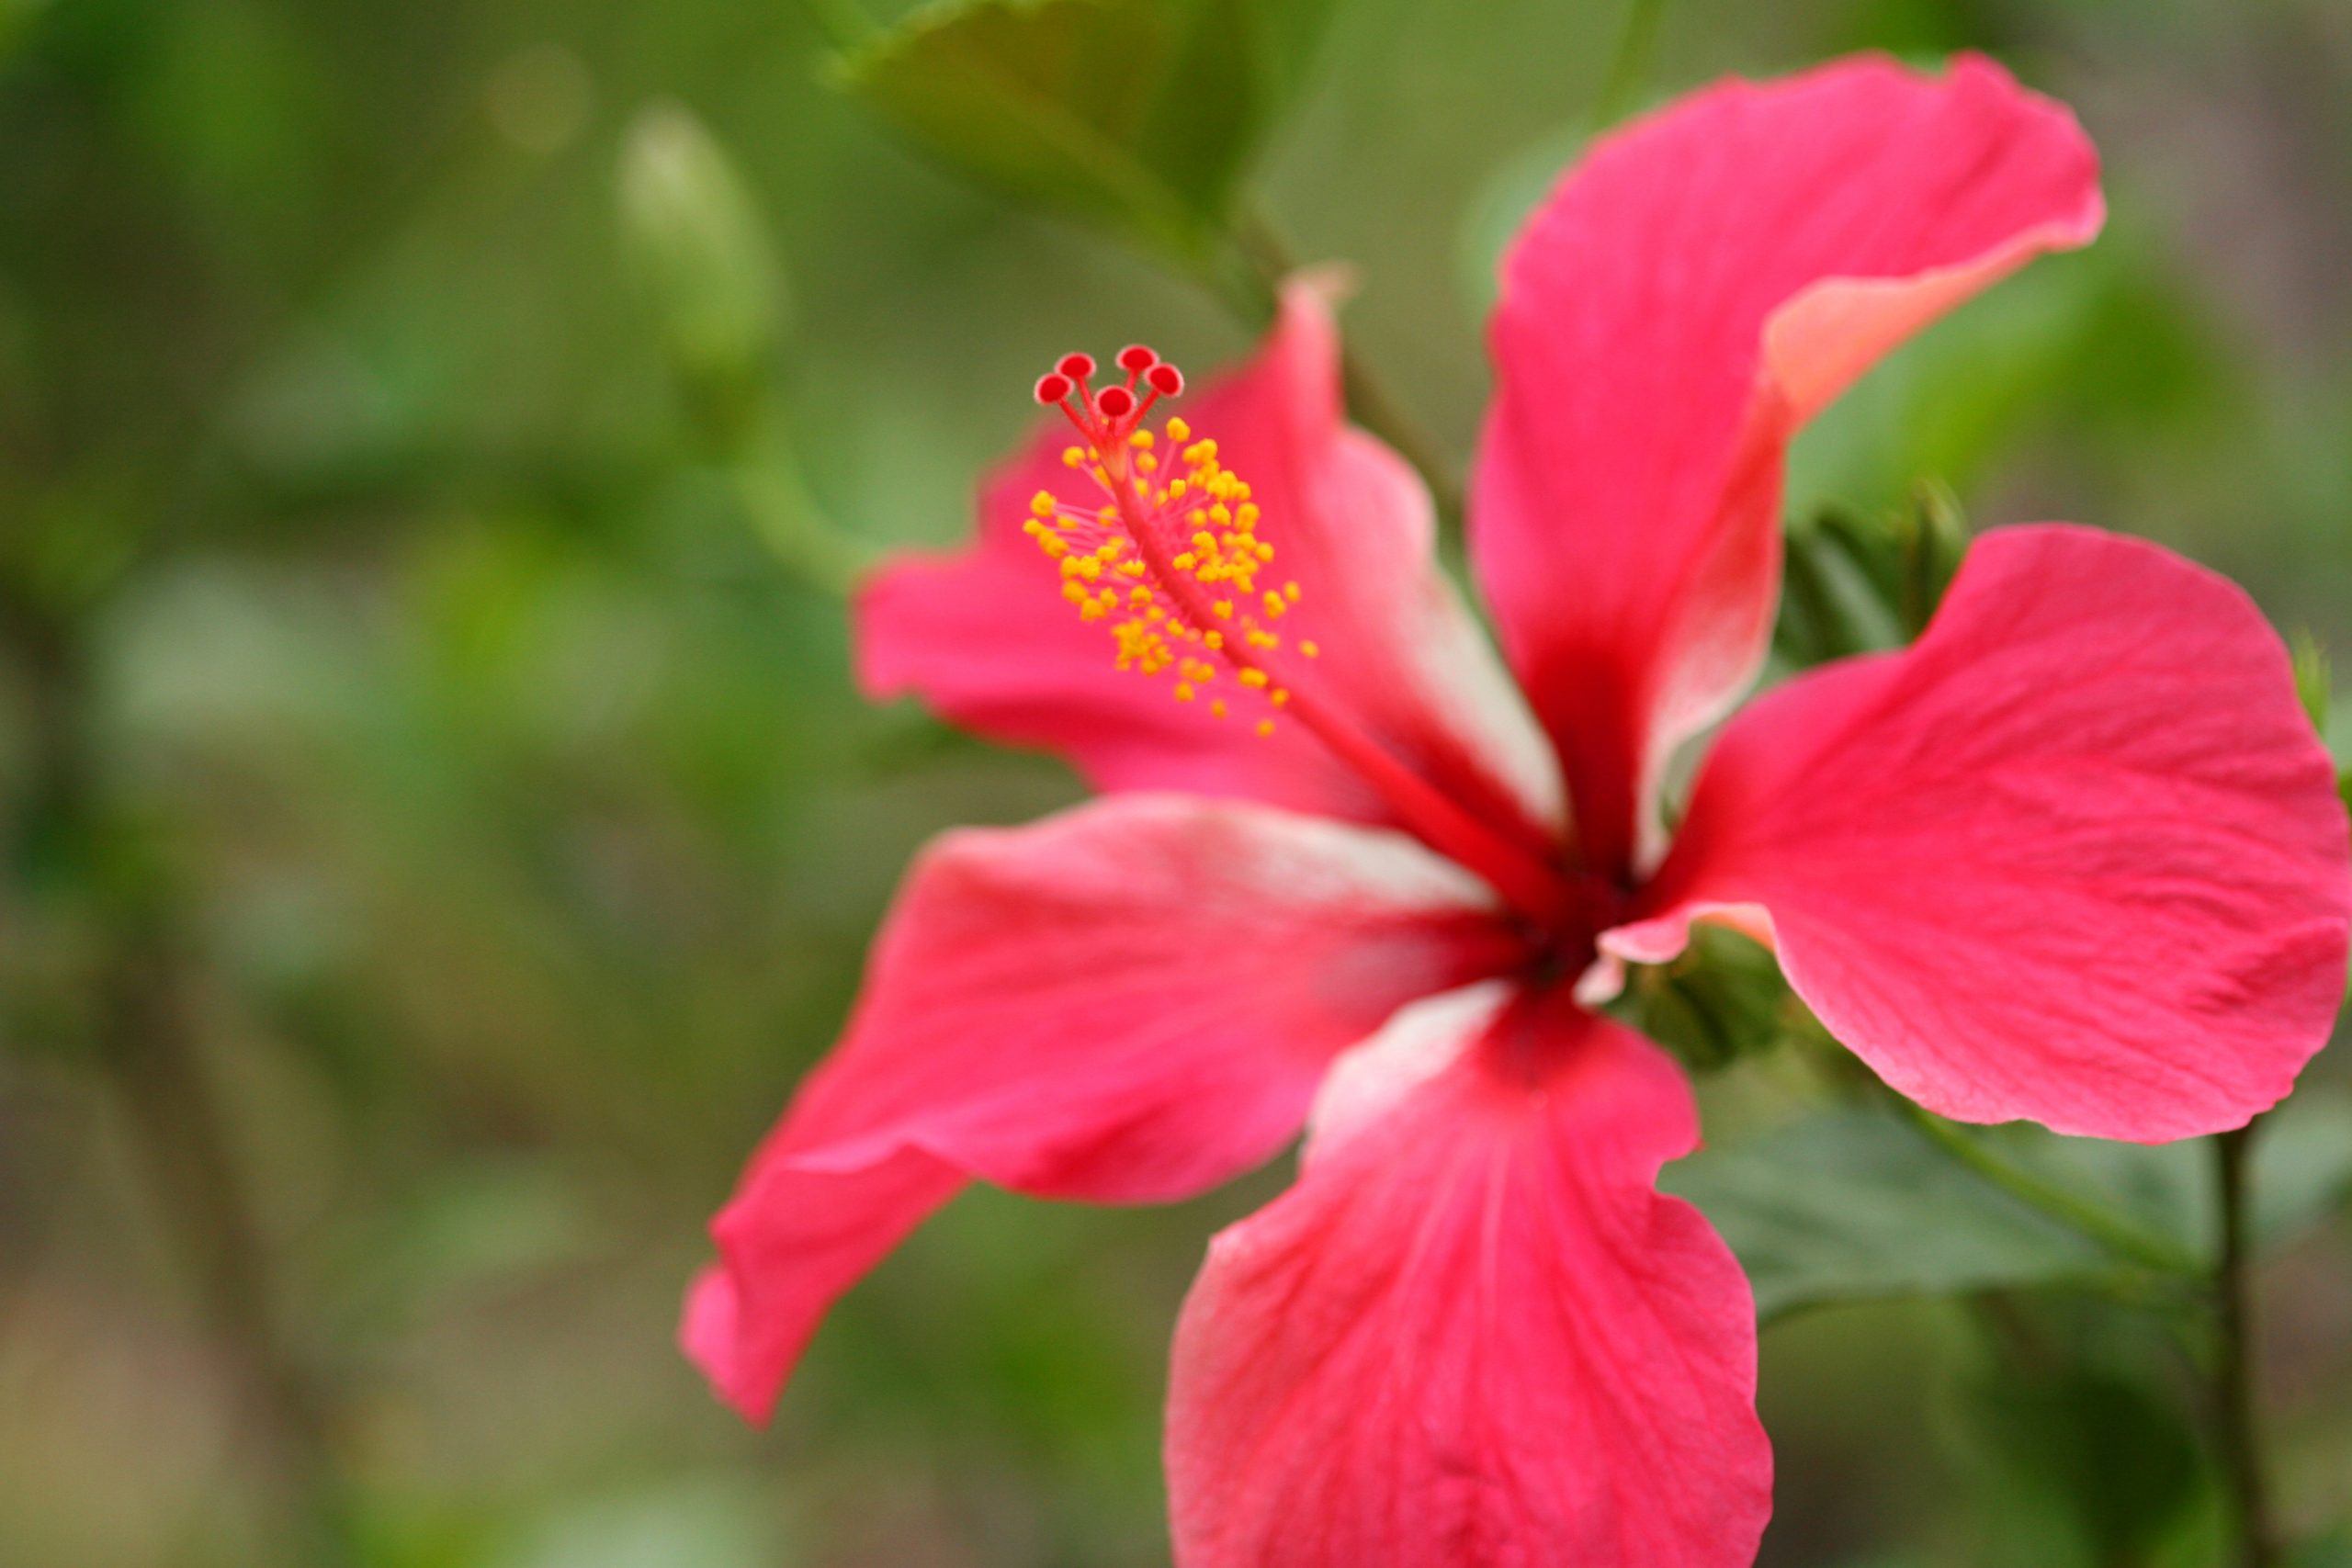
441	827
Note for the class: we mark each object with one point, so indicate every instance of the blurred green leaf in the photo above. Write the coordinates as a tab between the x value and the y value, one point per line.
1852	1205
1137	116
2084	1468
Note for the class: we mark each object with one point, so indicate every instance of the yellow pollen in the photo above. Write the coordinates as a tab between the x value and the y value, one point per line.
1170	564
1310	650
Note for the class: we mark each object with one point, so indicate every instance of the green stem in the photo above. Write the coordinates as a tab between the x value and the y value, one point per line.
2235	1404
1255	293
1629	68
2119	1236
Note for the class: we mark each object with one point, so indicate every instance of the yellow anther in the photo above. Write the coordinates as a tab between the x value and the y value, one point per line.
1310	650
1193	532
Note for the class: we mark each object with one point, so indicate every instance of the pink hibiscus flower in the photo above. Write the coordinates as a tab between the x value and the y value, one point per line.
2073	856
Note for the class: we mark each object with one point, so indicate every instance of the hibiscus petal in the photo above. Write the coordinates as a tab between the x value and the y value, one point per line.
985	637
2075	856
1698	288
1475	1335
1131	1001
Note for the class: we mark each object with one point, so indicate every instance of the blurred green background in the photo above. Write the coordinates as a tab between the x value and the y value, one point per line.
442	828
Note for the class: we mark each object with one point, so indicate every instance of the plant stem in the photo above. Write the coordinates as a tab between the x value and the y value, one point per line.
147	1050
2236	1418
1375	407
2119	1236
1628	67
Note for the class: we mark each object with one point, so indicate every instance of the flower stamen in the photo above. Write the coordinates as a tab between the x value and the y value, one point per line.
1178	528
1173	560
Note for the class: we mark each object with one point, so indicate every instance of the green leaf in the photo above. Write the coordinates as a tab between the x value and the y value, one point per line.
1136	116
1852	1205
2082	1467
